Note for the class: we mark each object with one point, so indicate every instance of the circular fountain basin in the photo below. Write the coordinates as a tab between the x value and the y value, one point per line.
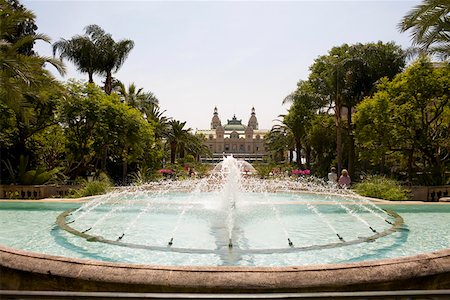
49	250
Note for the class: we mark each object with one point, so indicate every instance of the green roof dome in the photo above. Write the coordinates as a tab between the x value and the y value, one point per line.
236	127
234	124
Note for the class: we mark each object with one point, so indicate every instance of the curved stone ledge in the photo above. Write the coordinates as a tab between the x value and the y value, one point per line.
22	270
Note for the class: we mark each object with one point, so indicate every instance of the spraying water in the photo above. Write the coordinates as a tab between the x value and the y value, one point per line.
224	202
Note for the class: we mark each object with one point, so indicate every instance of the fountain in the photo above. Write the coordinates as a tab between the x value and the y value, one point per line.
230	232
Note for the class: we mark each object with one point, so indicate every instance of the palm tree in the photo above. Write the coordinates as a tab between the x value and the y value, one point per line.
193	144
111	55
80	50
160	122
429	23
19	72
137	98
95	52
177	135
279	140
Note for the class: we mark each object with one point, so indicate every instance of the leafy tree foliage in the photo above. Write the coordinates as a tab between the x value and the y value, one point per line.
25	26
408	119
305	103
345	76
101	130
28	92
322	139
429	24
278	141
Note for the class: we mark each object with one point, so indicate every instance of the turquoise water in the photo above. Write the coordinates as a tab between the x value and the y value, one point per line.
201	224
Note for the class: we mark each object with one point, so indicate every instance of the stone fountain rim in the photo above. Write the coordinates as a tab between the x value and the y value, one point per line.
444	253
431	270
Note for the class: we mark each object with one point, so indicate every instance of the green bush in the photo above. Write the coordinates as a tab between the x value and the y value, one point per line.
382	188
98	186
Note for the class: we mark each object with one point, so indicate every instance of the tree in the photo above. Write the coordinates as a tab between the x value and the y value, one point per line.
304	105
95	52
28	93
102	131
176	136
194	145
82	52
278	141
408	118
137	98
322	138
25	27
159	121
429	23
111	54
348	74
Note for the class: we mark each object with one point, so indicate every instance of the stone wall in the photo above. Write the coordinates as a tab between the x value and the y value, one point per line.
35	191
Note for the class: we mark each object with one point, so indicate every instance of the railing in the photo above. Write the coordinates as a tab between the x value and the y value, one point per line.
35	191
429	193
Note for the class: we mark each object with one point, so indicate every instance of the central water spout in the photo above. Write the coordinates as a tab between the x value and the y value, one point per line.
231	176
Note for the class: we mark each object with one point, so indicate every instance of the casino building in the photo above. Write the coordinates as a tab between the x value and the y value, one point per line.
243	141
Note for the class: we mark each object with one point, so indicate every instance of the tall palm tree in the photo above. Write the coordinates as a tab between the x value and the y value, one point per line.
81	51
429	23
111	55
95	52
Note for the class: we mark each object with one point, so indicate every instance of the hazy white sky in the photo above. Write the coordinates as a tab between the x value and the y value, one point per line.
234	55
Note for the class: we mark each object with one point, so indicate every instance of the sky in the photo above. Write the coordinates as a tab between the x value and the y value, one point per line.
233	55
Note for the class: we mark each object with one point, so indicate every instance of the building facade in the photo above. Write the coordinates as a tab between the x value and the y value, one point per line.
243	141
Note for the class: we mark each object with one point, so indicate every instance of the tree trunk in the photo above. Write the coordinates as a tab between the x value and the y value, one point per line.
382	164
338	137
124	171
298	146
308	156
91	77
181	151
108	83
125	165
410	164
173	150
351	150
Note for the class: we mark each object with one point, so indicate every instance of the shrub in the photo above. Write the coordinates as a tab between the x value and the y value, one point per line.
100	185
382	188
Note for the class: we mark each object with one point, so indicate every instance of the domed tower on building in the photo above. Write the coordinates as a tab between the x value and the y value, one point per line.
215	122
253	122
